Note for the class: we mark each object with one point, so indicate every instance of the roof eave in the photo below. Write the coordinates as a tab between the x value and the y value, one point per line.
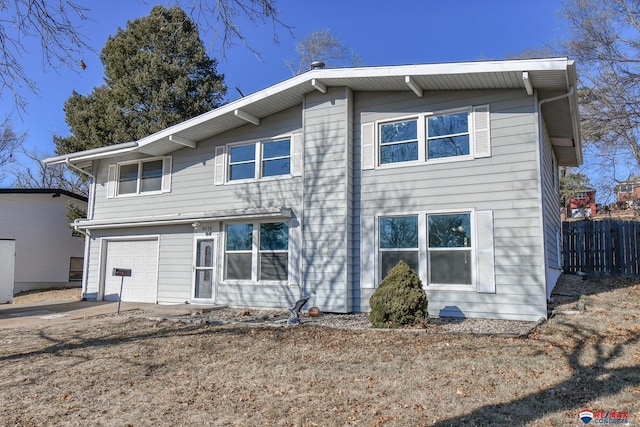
93	154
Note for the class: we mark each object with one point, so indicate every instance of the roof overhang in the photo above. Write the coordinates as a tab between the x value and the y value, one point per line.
554	75
188	218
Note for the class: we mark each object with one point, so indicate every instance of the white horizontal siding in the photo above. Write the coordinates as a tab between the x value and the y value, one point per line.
44	244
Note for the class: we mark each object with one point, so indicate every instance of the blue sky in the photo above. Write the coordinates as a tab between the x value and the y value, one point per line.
382	32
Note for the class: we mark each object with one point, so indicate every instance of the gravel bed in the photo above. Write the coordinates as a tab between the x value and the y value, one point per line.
243	316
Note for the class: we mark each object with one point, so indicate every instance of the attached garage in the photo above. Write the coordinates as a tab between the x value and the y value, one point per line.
141	257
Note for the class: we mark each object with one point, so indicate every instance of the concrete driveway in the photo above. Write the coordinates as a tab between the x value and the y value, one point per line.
47	313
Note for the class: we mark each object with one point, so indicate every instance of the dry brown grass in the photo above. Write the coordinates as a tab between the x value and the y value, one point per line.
143	373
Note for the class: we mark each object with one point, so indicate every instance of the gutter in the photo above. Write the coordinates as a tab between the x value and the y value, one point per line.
93	153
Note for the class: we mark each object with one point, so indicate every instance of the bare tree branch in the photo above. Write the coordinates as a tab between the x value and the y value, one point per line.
605	40
55	24
36	174
9	142
321	45
56	28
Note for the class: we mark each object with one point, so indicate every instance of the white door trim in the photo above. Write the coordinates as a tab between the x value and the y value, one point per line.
213	236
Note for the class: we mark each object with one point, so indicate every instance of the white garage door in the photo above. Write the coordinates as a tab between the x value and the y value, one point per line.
141	257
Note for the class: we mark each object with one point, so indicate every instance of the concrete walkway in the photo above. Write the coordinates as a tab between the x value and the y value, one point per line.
47	313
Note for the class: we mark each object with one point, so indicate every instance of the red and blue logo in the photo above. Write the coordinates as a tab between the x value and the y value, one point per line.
604	417
586	416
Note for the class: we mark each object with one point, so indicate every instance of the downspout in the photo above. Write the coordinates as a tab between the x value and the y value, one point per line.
86	234
542	165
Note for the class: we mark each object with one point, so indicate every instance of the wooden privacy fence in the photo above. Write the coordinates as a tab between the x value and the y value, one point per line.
608	247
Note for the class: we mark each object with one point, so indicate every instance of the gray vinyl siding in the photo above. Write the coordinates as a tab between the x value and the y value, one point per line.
506	183
193	191
327	171
192	181
552	218
175	251
333	194
352	285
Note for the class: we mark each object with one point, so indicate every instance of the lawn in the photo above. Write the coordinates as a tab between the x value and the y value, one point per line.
123	371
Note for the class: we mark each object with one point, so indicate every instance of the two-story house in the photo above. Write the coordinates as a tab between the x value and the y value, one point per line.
628	191
318	186
583	204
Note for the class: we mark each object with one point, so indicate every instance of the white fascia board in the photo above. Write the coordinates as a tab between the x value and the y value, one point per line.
478	67
93	154
362	72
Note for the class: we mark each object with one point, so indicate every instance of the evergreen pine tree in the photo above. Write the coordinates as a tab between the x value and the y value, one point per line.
157	74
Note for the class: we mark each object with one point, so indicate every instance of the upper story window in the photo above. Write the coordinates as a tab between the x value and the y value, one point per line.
139	177
259	159
580	195
248	161
242	162
276	158
448	135
399	141
429	137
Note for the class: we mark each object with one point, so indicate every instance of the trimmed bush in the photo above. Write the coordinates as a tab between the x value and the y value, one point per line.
399	300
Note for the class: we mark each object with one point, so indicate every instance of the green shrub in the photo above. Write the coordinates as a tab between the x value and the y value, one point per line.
399	300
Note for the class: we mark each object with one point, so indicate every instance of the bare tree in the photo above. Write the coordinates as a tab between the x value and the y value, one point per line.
605	40
39	175
55	25
322	46
9	142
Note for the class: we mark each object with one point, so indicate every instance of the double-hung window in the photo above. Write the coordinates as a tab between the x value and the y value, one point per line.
448	135
399	141
259	160
276	158
449	248
239	251
242	162
257	252
398	242
274	251
139	177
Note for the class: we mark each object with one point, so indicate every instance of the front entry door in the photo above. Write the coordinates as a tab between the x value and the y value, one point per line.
204	280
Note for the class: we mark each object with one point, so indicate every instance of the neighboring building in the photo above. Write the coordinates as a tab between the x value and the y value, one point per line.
318	185
583	204
34	227
628	191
